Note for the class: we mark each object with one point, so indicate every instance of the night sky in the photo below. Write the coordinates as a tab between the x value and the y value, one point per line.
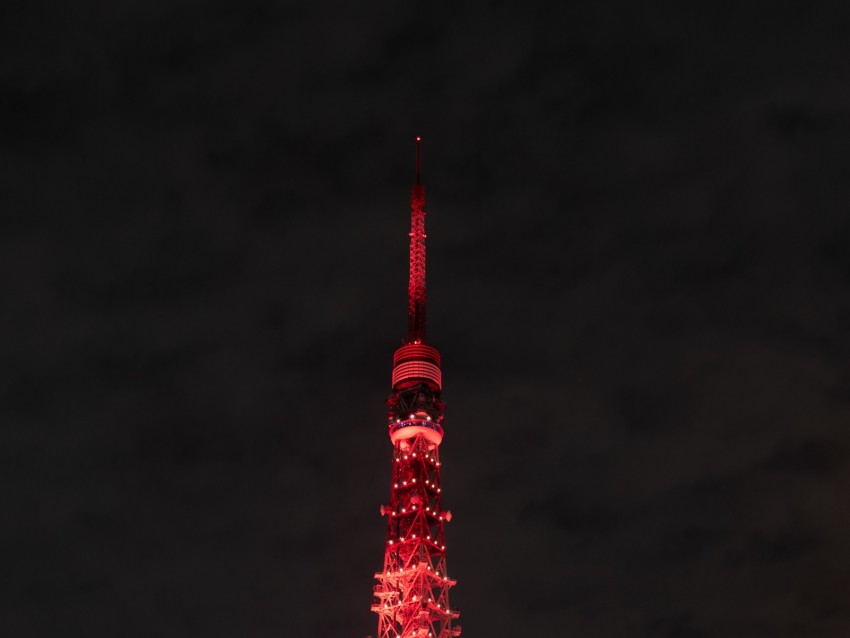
639	267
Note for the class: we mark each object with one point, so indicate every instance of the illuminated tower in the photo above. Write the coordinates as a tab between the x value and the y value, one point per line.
412	594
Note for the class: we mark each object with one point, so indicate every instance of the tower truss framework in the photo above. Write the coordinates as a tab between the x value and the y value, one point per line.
411	596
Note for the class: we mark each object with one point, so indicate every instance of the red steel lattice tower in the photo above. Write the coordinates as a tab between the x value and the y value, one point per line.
411	597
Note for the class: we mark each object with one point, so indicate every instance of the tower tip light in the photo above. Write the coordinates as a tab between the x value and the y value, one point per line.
418	158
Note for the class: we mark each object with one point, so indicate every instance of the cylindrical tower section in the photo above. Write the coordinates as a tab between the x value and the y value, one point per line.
415	406
417	363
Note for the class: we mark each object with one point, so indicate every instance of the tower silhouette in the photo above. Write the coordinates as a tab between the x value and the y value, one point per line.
411	597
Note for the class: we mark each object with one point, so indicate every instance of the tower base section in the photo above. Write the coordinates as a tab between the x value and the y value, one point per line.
411	597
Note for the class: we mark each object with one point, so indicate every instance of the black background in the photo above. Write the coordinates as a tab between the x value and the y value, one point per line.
638	278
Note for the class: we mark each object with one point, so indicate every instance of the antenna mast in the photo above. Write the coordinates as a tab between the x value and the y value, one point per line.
416	296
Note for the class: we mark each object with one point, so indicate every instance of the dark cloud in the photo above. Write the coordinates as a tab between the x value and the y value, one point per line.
638	272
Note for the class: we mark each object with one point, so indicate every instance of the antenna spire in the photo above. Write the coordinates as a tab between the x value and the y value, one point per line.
416	286
418	157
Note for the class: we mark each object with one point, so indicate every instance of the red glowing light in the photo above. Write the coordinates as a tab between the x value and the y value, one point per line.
411	596
415	558
416	295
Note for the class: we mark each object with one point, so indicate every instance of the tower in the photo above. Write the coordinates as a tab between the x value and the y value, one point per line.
411	597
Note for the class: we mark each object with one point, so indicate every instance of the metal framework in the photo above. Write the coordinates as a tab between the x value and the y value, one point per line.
411	597
416	286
